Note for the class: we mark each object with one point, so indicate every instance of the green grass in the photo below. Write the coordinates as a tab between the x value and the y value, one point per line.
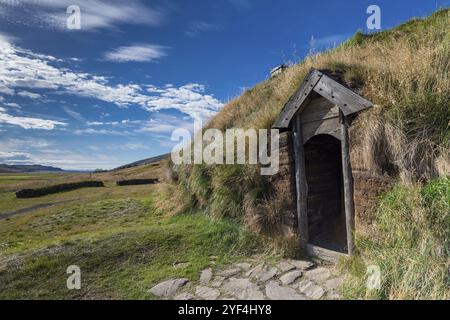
123	247
409	242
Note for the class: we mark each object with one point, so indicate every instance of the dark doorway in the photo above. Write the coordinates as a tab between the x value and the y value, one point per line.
326	214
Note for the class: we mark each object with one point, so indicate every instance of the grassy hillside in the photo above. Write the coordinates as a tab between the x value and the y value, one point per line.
405	72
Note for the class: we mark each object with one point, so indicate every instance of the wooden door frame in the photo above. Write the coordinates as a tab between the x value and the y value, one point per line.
302	186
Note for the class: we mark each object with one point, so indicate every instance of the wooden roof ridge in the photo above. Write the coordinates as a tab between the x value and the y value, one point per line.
316	81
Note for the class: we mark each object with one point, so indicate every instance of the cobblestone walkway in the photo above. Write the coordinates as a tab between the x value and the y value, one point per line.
256	280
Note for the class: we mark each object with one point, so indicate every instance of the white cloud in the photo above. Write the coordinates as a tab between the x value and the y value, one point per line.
134	146
165	124
28	123
23	69
95	14
136	53
90	131
74	114
113	123
6	90
189	99
13	105
28	94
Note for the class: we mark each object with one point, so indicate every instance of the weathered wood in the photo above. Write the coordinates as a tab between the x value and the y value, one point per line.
324	254
300	183
348	101
319	109
327	126
300	97
348	185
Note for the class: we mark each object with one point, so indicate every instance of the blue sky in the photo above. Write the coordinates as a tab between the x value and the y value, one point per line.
113	91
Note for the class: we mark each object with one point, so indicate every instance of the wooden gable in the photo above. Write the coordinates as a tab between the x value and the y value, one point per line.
316	84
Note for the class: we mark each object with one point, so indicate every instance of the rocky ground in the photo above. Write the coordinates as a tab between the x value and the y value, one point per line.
255	280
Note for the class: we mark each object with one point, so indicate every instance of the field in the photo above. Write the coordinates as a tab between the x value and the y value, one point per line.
122	244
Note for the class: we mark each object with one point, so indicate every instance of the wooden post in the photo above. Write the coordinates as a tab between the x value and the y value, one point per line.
348	184
300	183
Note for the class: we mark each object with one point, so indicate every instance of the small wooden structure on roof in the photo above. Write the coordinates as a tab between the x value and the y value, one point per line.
317	115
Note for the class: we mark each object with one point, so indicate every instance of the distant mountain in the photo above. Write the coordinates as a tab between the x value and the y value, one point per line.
144	162
6	168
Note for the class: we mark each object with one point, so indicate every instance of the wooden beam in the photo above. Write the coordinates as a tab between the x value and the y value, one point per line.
298	99
324	254
348	186
301	185
348	101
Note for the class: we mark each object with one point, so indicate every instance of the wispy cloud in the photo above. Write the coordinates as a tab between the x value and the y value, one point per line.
74	114
95	14
28	94
137	53
197	27
91	131
327	42
28	123
13	105
241	5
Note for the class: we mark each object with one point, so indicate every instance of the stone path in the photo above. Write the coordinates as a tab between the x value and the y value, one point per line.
256	280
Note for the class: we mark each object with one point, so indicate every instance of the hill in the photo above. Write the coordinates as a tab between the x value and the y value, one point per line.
144	162
405	72
5	168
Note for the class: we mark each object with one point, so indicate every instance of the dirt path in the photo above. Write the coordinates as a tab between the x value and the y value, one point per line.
7	215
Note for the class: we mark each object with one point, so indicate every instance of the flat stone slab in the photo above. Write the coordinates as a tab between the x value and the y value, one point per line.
285	266
169	287
207	293
290	277
206	276
255	271
244	266
318	275
276	292
217	282
229	272
310	289
184	296
242	289
333	284
301	264
262	273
